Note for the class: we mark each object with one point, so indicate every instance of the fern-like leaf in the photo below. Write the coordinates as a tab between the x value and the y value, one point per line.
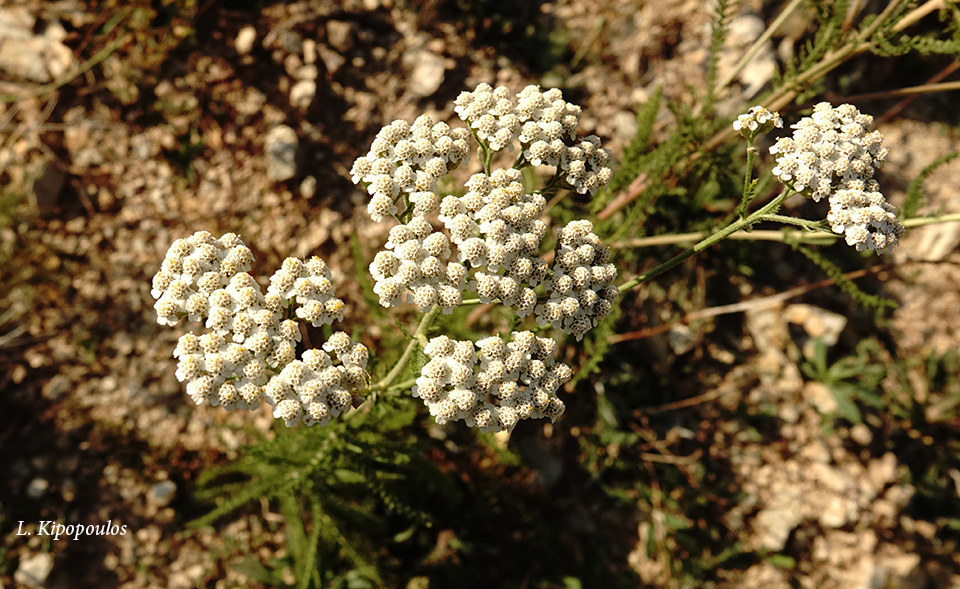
877	303
914	199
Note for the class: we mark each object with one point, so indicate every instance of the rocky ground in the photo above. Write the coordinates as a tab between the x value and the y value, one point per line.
126	127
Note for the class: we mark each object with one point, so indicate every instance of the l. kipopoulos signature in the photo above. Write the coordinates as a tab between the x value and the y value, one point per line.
55	529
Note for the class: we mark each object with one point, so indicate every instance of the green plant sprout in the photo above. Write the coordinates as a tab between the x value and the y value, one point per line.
848	380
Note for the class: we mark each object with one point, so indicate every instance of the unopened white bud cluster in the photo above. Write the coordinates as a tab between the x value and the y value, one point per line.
313	390
833	154
307	285
545	126
758	120
246	354
406	161
495	228
495	385
581	289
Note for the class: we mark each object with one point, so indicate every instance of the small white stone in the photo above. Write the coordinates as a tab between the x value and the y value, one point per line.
302	93
308	187
34	569
428	72
245	39
37	488
307	72
162	493
281	146
309	50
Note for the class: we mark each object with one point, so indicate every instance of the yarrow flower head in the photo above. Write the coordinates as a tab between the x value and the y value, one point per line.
581	291
248	353
757	121
829	149
864	217
495	227
492	385
406	161
834	154
544	124
489	241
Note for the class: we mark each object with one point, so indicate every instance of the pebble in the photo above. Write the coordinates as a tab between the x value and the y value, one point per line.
340	35
302	93
34	569
307	72
245	40
332	60
817	323
308	187
820	396
428	73
861	434
744	30
624	125
309	51
37	487
162	493
38	58
281	145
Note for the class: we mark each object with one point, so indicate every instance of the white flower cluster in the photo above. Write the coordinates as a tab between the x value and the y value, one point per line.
507	383
828	149
417	259
864	217
313	390
246	355
581	289
408	160
307	283
834	154
489	243
194	269
758	120
497	227
546	127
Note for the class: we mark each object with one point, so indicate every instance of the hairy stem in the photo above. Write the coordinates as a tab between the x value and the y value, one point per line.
767	209
419	338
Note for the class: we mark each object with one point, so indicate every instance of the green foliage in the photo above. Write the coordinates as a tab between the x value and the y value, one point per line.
877	303
346	482
638	146
915	198
851	379
888	43
829	35
720	28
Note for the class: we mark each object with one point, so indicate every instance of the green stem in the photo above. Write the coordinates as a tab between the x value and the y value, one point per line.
767	209
782	235
921	221
419	337
748	178
402	386
802	223
812	233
